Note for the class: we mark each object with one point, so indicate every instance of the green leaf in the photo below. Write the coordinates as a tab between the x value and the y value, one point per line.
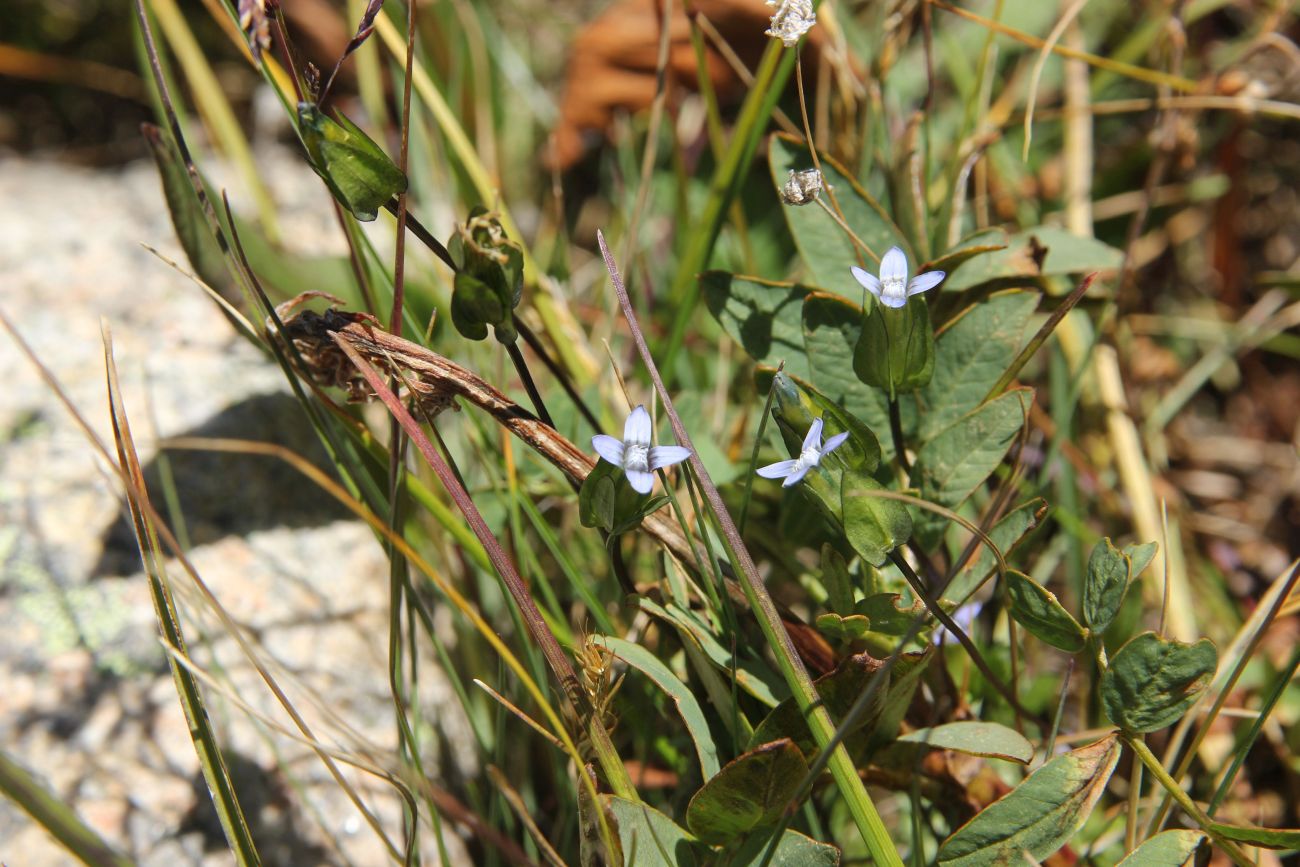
1038	816
862	449
474	306
1152	681
1006	534
836	580
1140	556
988	739
831	328
959	458
753	791
762	316
827	252
793	410
1060	251
838	691
1167	849
874	526
970	354
649	838
1267	838
904	678
895	352
752	675
648	664
357	171
1109	571
188	219
606	500
886	615
842	628
966	249
1038	610
793	850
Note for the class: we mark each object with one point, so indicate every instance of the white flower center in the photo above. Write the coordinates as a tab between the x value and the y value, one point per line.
893	287
809	457
636	457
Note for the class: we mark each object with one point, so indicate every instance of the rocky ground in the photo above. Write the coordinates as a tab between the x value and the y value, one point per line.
88	703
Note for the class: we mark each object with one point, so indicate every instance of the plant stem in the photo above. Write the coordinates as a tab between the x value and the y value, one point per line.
896	430
919	588
859	803
521	367
1143	752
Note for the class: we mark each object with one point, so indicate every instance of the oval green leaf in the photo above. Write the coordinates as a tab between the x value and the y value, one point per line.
970	354
873	525
751	792
826	251
1037	609
1109	571
832	327
649	838
793	850
1167	849
959	458
977	738
762	316
1152	681
1038	816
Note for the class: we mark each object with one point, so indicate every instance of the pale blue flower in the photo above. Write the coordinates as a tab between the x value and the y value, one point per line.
810	456
637	458
892	287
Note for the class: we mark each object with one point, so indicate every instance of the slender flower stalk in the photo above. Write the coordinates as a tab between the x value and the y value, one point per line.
892	288
635	455
810	456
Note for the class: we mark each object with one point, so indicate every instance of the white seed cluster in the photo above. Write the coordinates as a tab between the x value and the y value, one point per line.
792	19
802	187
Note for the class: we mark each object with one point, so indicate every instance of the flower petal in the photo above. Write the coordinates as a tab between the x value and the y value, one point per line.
894	300
923	282
777	470
894	266
608	448
640	480
814	438
666	456
869	281
796	477
637	431
834	442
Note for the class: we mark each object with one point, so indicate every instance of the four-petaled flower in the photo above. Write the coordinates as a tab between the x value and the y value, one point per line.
810	456
635	455
892	288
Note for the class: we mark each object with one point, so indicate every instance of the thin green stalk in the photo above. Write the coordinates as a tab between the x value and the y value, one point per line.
922	593
773	70
56	817
1265	711
896	431
860	806
1143	752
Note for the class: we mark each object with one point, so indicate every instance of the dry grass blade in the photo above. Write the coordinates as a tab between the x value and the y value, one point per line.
215	773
